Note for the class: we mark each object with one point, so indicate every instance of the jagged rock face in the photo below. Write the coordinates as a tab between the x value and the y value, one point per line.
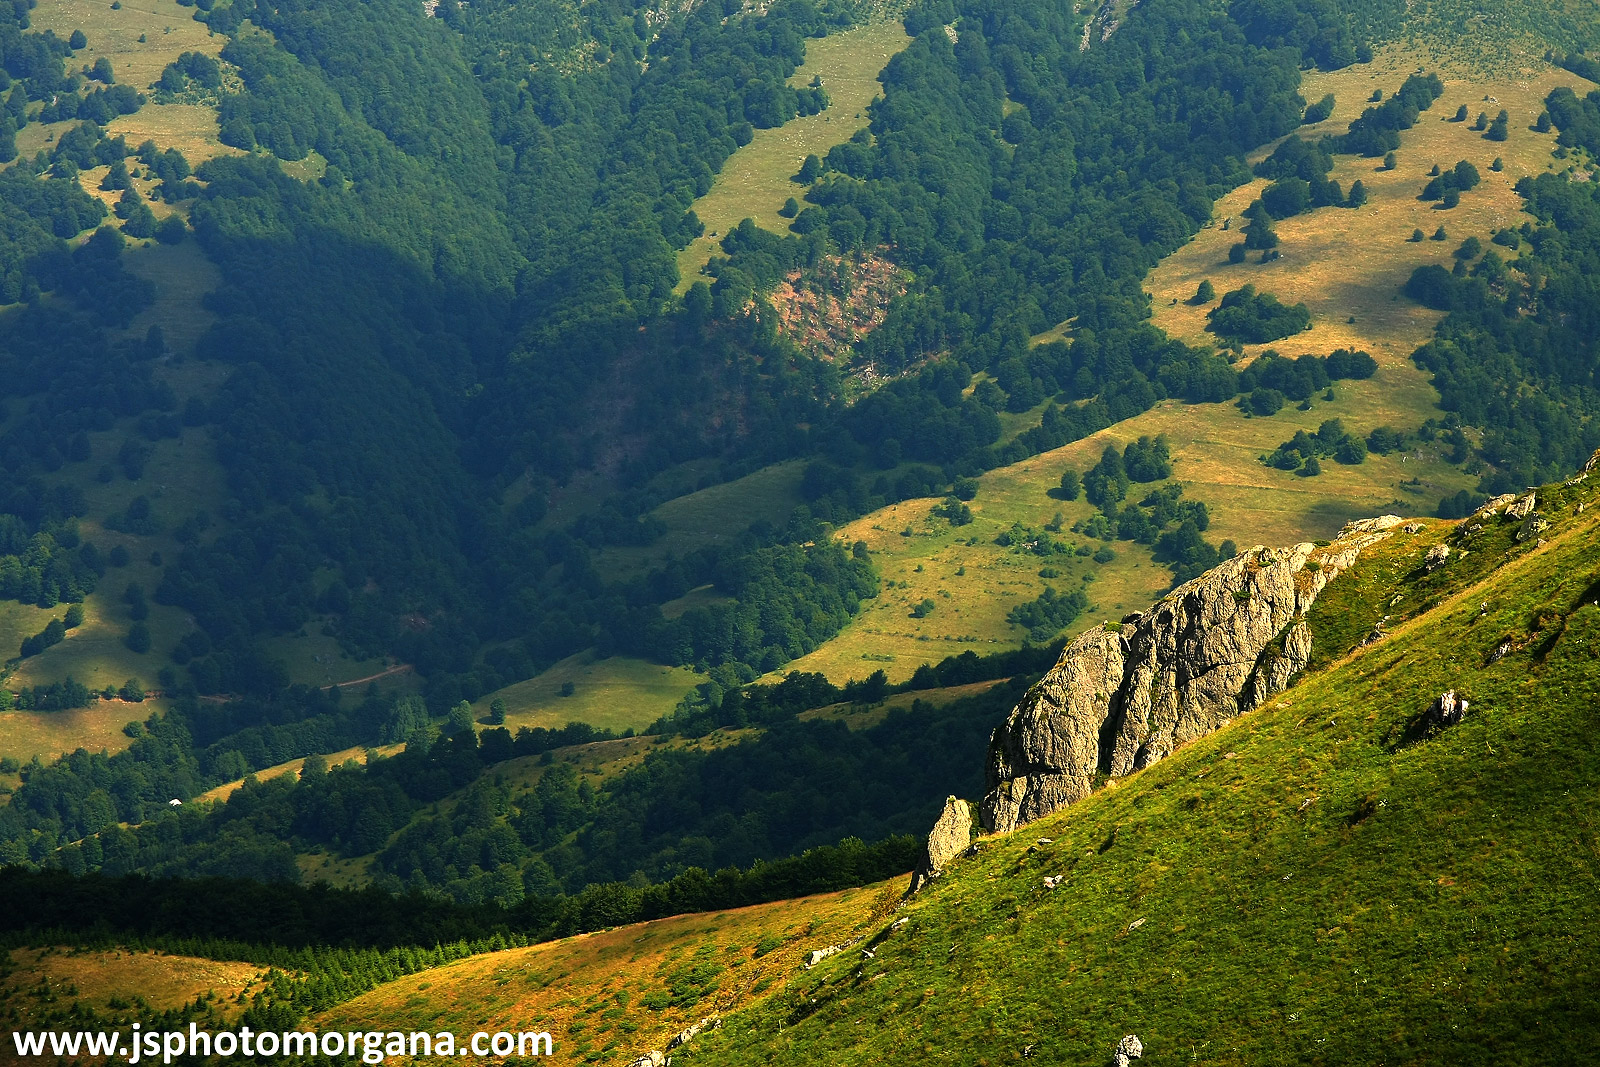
1049	749
1594	461
947	840
1119	701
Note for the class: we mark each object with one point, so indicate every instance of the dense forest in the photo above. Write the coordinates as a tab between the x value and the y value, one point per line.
442	817
492	259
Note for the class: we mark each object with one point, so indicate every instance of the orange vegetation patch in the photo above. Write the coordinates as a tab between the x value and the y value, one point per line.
40	983
827	308
614	995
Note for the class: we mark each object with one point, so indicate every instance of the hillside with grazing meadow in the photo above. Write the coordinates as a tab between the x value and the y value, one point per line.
1311	882
1349	267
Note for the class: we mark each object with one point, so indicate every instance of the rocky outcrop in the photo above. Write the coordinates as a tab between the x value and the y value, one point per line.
948	839
1124	697
1594	462
1128	1049
688	1034
1448	710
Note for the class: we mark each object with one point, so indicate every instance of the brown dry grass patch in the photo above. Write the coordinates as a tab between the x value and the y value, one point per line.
587	991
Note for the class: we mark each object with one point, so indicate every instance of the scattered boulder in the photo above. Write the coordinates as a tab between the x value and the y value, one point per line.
948	839
710	1022
817	955
1533	525
1123	698
1448	710
1436	557
1414	527
1053	880
1501	652
1130	1048
650	1059
1522	508
1493	507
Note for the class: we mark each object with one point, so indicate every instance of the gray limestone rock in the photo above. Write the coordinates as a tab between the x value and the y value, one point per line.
1522	508
1448	710
1128	1049
1533	525
1122	698
1436	557
710	1022
1594	461
948	839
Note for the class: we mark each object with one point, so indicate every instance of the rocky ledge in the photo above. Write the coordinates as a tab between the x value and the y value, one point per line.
1124	697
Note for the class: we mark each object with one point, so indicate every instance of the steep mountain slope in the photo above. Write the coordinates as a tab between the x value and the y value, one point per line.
1324	880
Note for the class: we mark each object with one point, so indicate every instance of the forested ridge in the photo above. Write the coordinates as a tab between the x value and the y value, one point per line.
488	261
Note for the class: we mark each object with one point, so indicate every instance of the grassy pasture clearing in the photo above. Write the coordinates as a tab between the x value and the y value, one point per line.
314	658
48	734
860	717
168	31
597	993
162	981
182	275
1342	264
706	516
1350	263
754	182
615	693
359	753
1315	841
972	581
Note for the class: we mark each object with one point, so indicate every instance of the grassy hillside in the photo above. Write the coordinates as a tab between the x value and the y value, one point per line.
40	985
1347	266
616	693
1411	899
139	37
604	994
1416	900
754	182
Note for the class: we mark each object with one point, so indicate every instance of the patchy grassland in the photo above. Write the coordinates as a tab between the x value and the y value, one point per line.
754	182
180	478
617	693
168	31
48	734
972	581
1420	900
598	993
1350	263
703	517
1343	264
94	977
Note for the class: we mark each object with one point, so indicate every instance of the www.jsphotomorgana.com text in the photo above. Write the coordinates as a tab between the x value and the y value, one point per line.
370	1046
